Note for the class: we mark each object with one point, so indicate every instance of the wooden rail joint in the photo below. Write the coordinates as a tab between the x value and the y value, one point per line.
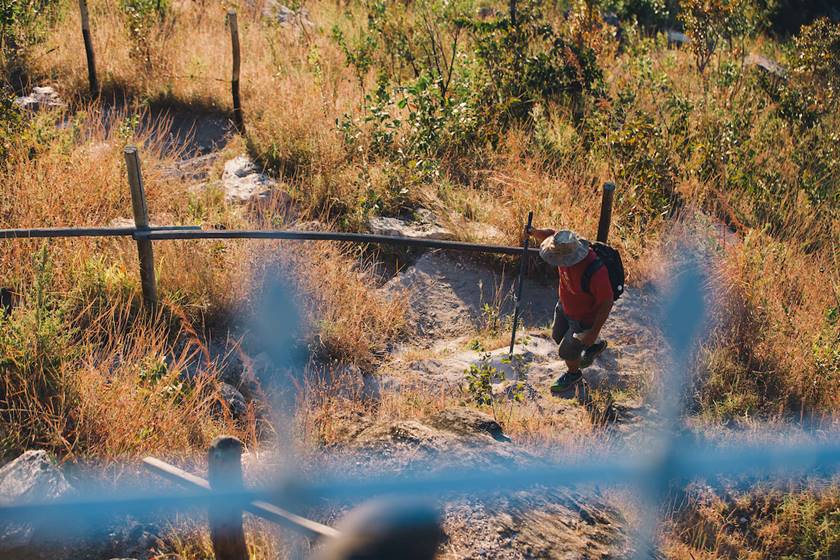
145	254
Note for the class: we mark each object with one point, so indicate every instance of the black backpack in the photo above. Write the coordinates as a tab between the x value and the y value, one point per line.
609	257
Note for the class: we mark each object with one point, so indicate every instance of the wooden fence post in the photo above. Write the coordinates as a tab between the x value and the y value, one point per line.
606	212
141	222
7	301
91	59
224	473
238	118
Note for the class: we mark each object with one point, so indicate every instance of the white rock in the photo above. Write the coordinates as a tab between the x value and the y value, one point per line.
676	37
395	227
769	66
32	477
284	15
41	97
243	182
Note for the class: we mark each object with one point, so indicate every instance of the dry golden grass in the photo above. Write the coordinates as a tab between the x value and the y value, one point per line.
142	406
774	317
797	520
346	317
333	401
105	391
190	538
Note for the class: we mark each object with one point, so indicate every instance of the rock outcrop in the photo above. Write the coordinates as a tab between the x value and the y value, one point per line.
42	97
546	523
448	294
423	226
243	181
32	477
464	437
467	422
275	11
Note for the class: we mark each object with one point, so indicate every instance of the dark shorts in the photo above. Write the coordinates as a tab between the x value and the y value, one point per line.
562	331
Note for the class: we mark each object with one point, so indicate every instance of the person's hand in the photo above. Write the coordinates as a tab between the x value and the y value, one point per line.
526	233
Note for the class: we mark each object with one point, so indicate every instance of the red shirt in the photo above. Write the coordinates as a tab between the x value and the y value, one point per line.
580	305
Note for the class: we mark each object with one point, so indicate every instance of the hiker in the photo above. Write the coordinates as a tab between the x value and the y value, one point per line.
586	299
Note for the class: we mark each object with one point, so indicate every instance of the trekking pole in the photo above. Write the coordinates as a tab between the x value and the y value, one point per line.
522	262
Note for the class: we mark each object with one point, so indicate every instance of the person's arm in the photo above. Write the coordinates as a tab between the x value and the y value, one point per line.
540	234
601	313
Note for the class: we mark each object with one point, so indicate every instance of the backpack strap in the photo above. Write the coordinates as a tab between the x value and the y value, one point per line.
590	271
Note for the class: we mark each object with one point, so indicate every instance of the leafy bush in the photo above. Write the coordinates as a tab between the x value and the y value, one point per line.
143	18
35	348
480	378
450	85
708	22
816	66
529	60
21	22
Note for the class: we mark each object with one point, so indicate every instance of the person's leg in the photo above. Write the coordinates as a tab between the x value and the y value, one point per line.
560	326
570	351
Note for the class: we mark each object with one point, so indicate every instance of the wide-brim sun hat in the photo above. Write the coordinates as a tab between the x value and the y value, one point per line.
564	248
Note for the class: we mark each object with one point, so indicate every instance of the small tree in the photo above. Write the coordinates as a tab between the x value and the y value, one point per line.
709	22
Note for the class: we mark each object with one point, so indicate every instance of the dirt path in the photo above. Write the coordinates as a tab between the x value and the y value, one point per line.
448	298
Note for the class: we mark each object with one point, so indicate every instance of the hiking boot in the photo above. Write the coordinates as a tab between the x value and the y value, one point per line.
566	381
590	353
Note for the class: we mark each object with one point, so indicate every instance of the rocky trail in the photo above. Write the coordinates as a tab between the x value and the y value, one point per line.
448	297
448	293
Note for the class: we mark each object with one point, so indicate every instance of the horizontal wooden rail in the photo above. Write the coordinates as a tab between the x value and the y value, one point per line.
33	233
168	233
330	236
259	508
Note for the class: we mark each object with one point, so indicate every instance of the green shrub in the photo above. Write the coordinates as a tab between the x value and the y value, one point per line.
449	85
710	22
10	122
142	20
35	347
23	22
